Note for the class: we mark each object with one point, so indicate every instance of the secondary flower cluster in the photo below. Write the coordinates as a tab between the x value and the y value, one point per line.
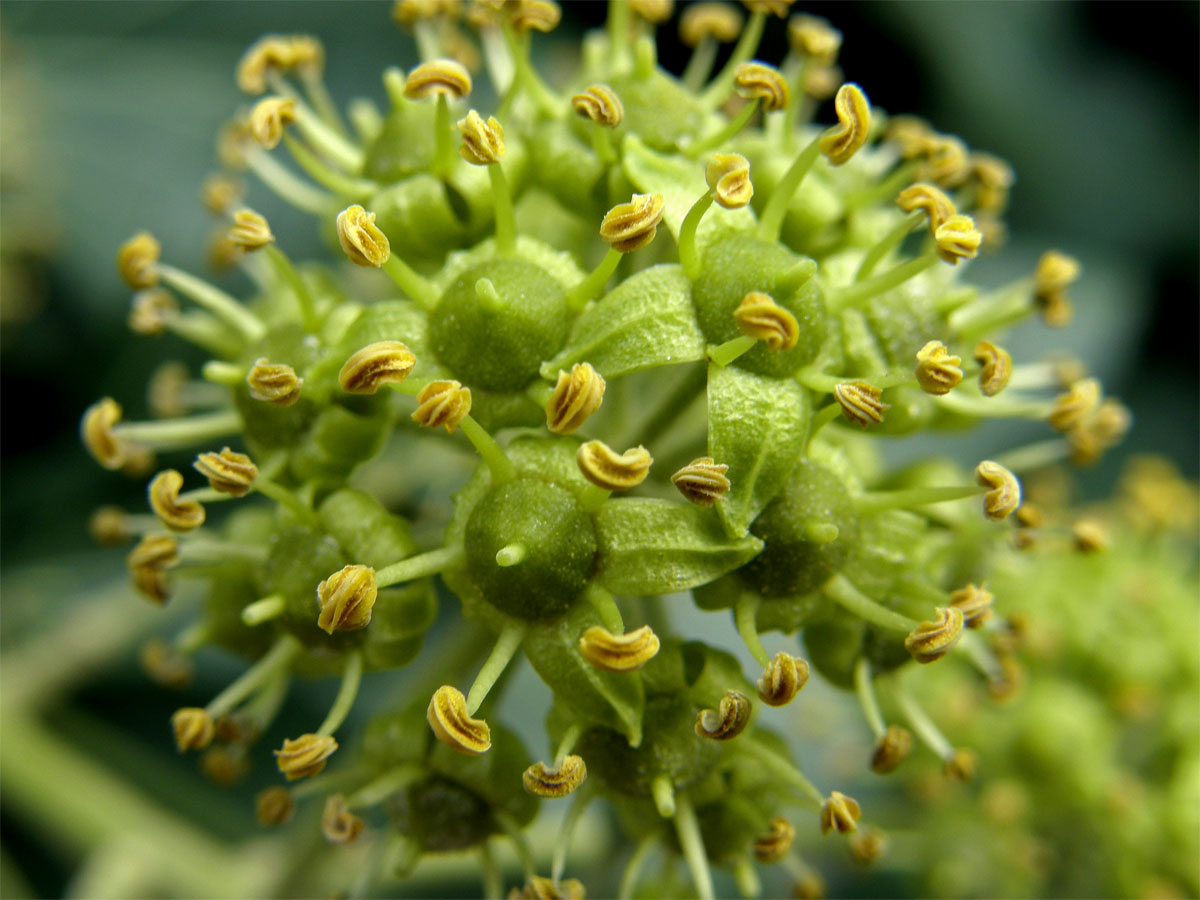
699	412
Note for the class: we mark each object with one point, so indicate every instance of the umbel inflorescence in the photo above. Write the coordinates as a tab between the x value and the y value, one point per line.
677	320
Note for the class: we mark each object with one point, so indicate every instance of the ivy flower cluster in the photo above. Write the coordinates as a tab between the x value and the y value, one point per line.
676	319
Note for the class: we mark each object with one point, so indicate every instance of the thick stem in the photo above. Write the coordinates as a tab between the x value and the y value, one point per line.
689	252
216	301
420	566
506	224
687	827
593	284
507	644
498	463
773	215
854	601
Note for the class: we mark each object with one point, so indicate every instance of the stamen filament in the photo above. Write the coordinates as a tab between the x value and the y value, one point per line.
618	33
226	374
827	414
275	660
878	501
216	301
173	434
745	48
287	273
981	657
918	720
995	310
889	242
516	834
265	705
420	566
379	789
783	769
264	610
493	455
410	282
341	184
889	187
602	144
726	133
689	253
322	103
745	612
287	186
192	638
593	284
700	66
489	872
1035	456
866	697
991	408
633	868
205	552
745	876
688	829
567	744
727	352
886	281
326	140
771	222
287	499
507	644
443	154
579	804
798	99
506	224
663	792
344	702
846	595
593	497
606	607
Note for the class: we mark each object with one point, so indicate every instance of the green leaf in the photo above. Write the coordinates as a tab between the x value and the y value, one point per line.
593	695
645	322
758	426
657	547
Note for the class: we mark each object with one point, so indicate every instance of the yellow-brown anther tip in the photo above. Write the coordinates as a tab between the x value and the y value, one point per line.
163	494
136	259
911	134
193	728
601	104
442	403
868	845
891	749
782	679
108	526
1071	408
759	81
605	468
576	397
1005	493
338	824
719	21
958	238
728	720
148	563
281	53
631	226
304	756
774	845
777	8
975	602
438	76
1089	536
961	765
96	431
997	366
840	813
408	12
346	598
482	142
938	371
702	481
860	402
369	369
1055	272
540	888
250	231
536	15
447	716
760	317
930	641
946	160
220	192
618	652
150	310
841	142
275	383
930	200
362	241
653	11
555	781
728	177
815	38
228	472
269	118
274	806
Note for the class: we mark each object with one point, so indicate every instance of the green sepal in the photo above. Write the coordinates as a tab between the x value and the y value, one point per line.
652	546
338	441
420	210
557	263
658	109
743	408
646	321
366	532
568	169
596	697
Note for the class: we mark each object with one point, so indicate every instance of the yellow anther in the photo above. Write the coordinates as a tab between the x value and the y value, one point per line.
1104	428
947	160
653	11
250	231
912	135
576	396
540	888
758	81
308	54
961	765
555	781
273	52
442	403
938	371
165	665
994	177
975	603
537	15
860	402
220	192
815	38
958	238
728	177
1055	272
777	8
840	813
150	311
1056	309
346	598
238	728
228	472
483	142
362	241
274	382
193	728
1071	408
782	679
930	641
809	886
774	845
892	748
96	431
221	253
148	563
702	481
268	119
447	716
719	21
224	766
136	260
821	82
338	824
1090	536
868	845
234	141
618	652
139	461
274	806
1029	515
164	500
438	76
760	317
369	369
930	200
601	104
304	756
727	721
631	226
997	366
605	468
407	13
164	391
108	526
854	122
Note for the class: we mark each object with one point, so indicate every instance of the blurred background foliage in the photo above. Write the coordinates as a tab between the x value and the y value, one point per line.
108	115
